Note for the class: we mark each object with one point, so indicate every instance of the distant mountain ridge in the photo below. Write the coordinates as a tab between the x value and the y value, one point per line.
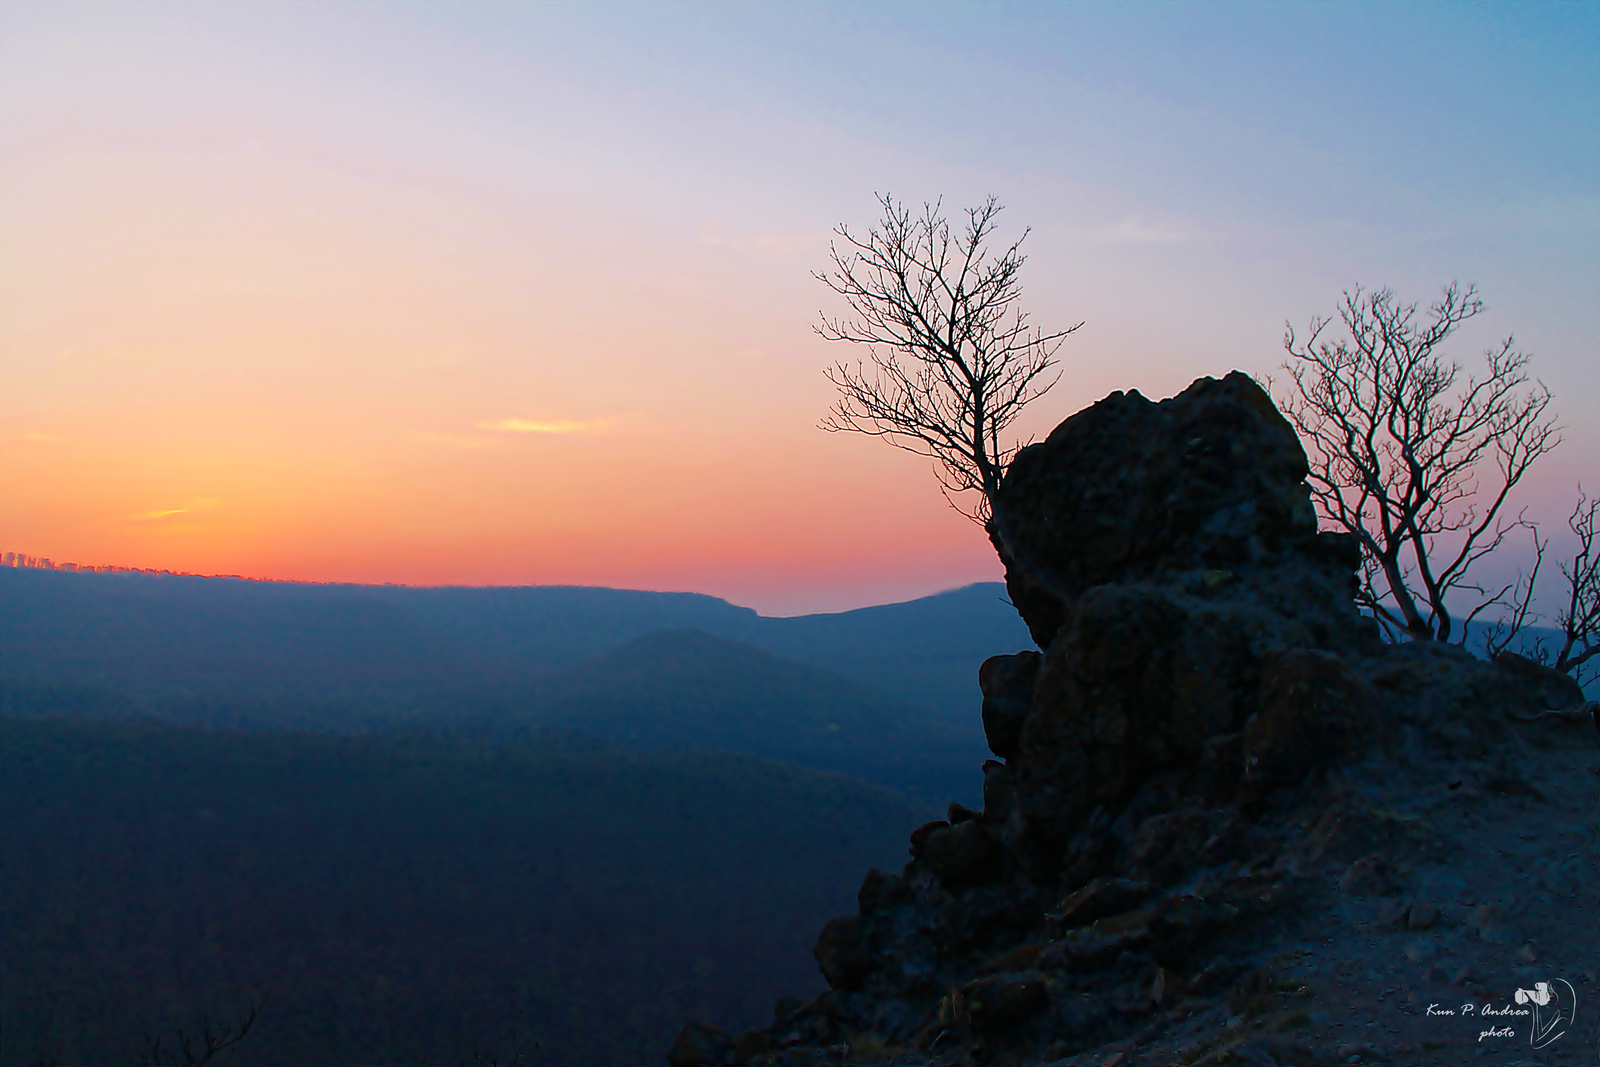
153	634
648	670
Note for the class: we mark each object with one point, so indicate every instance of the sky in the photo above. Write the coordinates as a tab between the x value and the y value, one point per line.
522	293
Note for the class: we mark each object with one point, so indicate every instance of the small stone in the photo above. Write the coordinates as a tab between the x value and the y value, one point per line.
1021	958
1509	785
751	1044
1421	950
1394	912
1423	915
700	1045
1494	926
1100	942
1180	922
1171	844
999	1002
1214	975
1370	876
1100	898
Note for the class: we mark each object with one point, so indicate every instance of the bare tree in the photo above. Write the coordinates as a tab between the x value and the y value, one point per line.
1580	616
197	1049
1415	462
953	358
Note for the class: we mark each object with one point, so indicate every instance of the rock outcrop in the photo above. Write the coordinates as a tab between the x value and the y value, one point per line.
1185	770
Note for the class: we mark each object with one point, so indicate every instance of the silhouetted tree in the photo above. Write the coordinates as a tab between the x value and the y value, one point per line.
1579	616
954	358
1415	462
183	1049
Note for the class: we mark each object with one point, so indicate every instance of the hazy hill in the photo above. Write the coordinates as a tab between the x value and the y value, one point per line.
160	635
689	689
401	899
888	693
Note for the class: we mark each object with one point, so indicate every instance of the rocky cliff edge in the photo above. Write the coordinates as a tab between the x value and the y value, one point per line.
1226	821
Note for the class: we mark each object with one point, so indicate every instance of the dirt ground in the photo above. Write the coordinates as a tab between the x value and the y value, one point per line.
1488	884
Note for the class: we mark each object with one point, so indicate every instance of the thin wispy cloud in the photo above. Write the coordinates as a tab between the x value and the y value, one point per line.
536	426
156	515
453	440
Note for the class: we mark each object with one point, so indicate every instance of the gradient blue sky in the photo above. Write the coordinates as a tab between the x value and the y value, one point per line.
521	293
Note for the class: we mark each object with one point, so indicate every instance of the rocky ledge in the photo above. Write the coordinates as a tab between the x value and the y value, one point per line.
1227	822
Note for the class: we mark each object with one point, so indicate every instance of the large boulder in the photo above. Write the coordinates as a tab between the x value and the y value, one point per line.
1203	491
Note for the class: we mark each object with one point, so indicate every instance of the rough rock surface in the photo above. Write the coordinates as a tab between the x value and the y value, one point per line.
1227	823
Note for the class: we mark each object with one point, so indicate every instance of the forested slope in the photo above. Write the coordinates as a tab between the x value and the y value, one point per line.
408	899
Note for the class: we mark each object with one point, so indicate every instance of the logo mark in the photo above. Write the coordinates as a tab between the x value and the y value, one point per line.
1555	1009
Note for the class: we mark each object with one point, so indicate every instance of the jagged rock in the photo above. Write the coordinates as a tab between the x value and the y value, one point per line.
1313	707
1458	703
1100	898
919	836
1020	958
960	813
999	789
1001	1001
1170	845
1099	943
750	1044
1182	921
1007	685
1541	684
963	855
985	916
700	1045
842	952
878	890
